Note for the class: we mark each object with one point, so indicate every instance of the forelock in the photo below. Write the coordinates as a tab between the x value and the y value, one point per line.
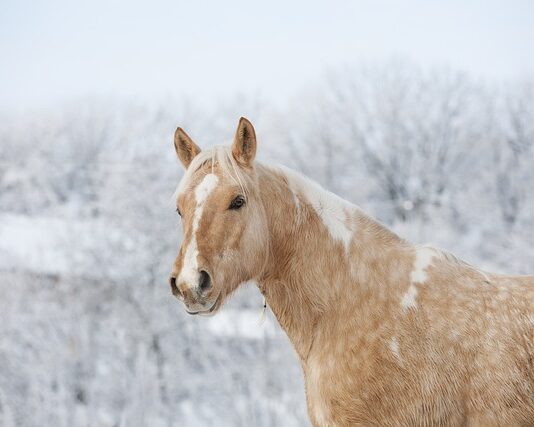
218	155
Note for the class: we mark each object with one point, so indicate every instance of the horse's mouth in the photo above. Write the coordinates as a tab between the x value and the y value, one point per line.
214	307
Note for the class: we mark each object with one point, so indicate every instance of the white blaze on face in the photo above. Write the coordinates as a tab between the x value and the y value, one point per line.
189	273
423	259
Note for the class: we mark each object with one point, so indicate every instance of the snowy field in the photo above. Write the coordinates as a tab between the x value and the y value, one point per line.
90	334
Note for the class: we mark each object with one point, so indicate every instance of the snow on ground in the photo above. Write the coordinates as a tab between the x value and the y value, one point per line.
242	323
49	245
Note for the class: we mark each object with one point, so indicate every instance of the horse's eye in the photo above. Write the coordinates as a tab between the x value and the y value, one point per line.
178	210
237	203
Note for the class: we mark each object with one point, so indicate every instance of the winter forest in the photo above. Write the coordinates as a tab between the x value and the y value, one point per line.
90	334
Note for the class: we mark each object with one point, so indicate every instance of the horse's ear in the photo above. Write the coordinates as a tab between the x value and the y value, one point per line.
244	146
185	148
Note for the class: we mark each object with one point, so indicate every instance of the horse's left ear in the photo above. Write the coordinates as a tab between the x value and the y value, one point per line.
244	146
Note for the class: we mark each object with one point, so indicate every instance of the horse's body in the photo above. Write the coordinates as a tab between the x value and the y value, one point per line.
388	333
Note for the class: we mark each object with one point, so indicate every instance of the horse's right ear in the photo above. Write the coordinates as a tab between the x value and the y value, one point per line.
186	149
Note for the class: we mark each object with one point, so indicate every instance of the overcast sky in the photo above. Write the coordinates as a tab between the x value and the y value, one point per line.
59	49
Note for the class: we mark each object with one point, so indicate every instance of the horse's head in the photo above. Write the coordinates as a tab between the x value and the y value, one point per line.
224	225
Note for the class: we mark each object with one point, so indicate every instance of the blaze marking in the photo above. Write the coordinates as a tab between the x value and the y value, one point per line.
189	273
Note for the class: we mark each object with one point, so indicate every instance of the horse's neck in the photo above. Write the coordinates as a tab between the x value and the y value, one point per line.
320	251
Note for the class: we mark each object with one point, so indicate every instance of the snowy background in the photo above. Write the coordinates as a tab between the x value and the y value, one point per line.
422	114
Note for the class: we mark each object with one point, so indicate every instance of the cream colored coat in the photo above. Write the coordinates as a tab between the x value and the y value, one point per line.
388	333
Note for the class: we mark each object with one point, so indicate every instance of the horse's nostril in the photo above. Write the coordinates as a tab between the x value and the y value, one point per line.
205	280
174	288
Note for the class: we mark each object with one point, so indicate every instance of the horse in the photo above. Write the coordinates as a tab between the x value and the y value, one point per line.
388	333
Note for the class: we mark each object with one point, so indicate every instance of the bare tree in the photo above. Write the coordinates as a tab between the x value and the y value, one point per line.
513	150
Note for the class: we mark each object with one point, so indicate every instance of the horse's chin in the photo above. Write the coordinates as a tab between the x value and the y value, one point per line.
212	310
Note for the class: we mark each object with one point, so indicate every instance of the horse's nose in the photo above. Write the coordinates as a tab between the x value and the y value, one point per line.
189	294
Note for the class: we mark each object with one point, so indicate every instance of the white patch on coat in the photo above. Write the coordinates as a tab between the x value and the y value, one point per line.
189	273
296	200
423	259
408	300
331	208
418	276
314	385
394	347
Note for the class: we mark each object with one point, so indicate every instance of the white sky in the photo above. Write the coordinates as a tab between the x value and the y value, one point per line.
54	50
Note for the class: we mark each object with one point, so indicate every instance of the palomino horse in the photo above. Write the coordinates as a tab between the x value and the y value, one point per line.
388	333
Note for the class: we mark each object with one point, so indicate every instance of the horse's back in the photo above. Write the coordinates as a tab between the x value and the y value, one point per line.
455	346
493	356
464	355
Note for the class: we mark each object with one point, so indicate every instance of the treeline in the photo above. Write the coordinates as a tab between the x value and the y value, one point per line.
435	154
